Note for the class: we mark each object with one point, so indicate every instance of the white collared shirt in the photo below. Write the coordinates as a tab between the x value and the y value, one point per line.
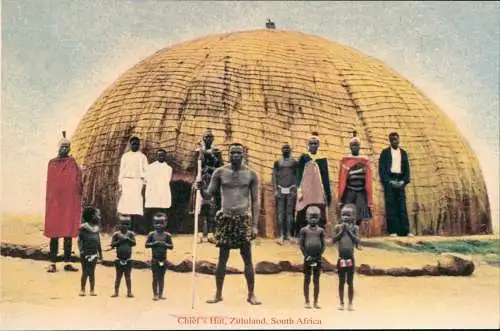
396	161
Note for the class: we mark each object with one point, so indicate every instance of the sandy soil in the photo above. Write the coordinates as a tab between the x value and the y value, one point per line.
34	299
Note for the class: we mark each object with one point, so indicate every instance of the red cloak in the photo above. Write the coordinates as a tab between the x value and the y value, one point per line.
345	164
63	199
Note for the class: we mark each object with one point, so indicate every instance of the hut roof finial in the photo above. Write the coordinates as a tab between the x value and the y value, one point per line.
270	24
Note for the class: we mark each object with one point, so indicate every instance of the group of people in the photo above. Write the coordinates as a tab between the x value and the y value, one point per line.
230	194
305	182
89	245
136	177
64	216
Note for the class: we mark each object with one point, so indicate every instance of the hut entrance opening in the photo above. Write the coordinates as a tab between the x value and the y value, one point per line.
180	220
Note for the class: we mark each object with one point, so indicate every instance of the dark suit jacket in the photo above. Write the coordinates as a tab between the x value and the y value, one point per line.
385	163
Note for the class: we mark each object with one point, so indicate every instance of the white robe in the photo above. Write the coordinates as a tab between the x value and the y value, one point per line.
158	177
131	179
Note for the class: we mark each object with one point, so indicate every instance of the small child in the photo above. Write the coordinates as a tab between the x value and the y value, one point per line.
347	236
89	244
312	245
159	241
123	241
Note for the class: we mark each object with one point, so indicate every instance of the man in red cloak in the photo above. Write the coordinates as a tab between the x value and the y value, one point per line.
63	203
355	184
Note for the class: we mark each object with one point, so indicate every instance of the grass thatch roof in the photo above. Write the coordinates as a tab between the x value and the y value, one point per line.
266	87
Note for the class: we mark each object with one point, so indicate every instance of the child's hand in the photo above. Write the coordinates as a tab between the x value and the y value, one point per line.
359	248
308	258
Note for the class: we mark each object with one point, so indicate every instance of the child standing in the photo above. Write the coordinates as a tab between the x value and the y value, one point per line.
347	236
312	245
89	244
159	241
123	240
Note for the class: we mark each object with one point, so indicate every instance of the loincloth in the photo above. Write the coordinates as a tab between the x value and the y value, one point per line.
91	257
315	263
345	263
232	231
123	263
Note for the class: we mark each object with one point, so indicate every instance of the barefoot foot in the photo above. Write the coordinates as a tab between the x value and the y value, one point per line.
341	306
114	295
215	300
307	306
130	295
93	294
252	299
82	293
316	306
69	267
350	307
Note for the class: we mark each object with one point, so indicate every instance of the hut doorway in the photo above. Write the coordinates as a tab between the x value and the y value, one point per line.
180	220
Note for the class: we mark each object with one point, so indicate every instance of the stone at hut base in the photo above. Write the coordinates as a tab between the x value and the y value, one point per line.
205	267
267	268
455	265
430	270
287	266
184	266
398	272
34	253
365	269
326	266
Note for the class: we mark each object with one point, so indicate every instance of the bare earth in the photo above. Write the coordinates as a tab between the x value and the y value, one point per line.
34	299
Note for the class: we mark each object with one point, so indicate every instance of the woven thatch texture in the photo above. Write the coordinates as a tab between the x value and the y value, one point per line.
266	87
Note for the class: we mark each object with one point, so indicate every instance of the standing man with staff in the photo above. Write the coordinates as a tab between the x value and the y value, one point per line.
208	159
235	229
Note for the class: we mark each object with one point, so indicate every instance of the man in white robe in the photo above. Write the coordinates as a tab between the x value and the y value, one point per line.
158	192
131	180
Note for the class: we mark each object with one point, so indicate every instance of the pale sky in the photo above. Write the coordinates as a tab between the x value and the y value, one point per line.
58	56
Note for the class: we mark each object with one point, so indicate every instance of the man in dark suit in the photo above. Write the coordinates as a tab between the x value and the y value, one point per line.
394	171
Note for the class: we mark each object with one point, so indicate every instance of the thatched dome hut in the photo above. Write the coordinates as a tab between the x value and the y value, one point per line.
267	87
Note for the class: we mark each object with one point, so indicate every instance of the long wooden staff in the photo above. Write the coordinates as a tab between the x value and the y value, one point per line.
195	236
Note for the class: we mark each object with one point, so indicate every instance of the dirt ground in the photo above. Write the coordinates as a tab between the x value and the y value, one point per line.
34	299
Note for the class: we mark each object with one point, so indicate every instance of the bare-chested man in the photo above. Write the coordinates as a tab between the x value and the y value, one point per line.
285	191
235	228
